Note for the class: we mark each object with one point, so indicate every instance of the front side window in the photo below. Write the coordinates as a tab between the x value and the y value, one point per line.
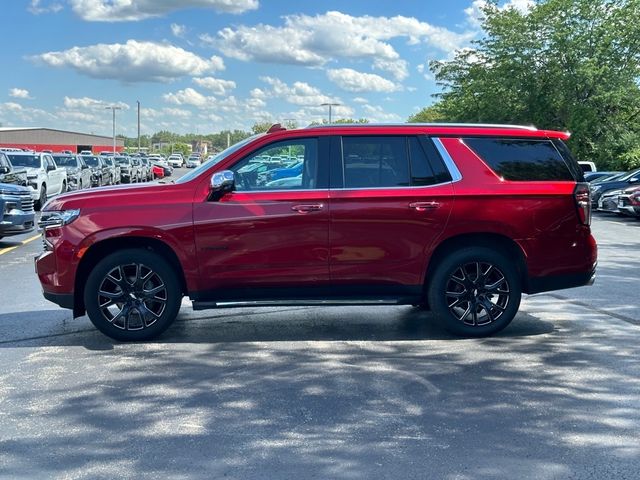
286	165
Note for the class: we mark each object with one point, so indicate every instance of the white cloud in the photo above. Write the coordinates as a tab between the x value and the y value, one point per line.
12	113
134	10
360	100
378	114
188	96
87	103
217	86
354	81
132	62
397	68
178	30
300	93
314	40
36	7
19	93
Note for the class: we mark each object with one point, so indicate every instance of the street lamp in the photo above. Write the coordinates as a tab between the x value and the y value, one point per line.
329	105
113	108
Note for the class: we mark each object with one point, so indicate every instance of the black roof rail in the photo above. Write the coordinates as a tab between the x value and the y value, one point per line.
457	125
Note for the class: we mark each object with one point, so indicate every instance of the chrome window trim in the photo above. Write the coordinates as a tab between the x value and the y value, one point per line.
456	176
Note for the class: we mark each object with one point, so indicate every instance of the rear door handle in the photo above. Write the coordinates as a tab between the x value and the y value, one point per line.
423	206
306	208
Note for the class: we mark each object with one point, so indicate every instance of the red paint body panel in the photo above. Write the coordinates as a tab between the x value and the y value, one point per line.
356	237
376	237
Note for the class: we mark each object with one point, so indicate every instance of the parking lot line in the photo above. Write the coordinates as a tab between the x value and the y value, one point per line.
8	249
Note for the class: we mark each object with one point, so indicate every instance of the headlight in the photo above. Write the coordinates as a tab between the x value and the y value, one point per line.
57	218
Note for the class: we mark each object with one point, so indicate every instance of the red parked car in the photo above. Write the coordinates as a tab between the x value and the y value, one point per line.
461	219
158	171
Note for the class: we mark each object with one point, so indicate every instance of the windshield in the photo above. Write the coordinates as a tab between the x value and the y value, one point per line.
629	175
122	161
92	161
32	161
217	159
65	160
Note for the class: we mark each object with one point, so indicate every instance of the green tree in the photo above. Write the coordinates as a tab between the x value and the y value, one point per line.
565	64
261	127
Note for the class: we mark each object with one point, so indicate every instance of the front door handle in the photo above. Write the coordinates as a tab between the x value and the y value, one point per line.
306	208
423	206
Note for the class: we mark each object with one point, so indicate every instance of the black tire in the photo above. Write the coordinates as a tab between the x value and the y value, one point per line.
64	187
474	291
42	199
135	310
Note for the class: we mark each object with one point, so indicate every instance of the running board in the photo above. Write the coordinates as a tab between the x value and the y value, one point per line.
198	305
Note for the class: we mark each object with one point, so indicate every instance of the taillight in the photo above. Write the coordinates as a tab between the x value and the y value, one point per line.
582	197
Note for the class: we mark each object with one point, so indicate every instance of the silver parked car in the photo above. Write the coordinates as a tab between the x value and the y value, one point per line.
78	172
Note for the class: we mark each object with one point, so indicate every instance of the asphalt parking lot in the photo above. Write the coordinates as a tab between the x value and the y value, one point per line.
334	392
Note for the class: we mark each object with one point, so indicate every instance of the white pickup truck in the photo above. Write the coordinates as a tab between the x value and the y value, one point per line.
45	179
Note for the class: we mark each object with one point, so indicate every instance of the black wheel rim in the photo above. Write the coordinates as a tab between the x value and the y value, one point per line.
132	297
477	293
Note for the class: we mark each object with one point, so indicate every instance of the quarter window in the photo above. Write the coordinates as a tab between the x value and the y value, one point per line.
287	165
521	159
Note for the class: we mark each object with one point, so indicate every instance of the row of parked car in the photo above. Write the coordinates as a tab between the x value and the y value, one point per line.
28	179
615	192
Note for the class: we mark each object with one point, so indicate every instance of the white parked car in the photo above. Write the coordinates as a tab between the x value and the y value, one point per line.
176	160
45	179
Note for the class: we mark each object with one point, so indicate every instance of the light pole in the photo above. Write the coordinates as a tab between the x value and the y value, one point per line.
113	108
329	105
138	102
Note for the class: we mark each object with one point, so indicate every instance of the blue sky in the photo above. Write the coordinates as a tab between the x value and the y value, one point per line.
207	65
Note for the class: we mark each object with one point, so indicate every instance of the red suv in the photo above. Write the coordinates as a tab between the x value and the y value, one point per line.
460	219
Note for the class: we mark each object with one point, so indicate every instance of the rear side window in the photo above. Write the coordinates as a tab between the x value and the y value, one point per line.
521	159
371	162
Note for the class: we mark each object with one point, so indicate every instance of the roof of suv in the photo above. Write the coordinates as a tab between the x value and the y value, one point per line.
471	129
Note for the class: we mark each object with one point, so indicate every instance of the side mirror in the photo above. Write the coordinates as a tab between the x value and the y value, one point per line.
85	166
4	169
221	183
50	168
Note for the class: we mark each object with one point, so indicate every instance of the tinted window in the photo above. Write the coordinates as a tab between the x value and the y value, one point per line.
32	161
3	160
371	162
280	166
65	160
92	161
520	159
569	159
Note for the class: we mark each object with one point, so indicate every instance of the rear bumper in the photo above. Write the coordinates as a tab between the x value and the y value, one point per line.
65	300
559	282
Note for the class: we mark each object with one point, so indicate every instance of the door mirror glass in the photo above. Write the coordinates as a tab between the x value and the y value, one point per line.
221	183
4	169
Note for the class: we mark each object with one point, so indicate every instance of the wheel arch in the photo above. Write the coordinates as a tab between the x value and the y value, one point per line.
101	249
493	241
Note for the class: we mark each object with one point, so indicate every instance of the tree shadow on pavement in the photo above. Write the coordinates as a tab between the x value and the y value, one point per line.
314	397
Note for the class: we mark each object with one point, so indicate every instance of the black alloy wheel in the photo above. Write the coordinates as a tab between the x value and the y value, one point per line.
132	295
475	291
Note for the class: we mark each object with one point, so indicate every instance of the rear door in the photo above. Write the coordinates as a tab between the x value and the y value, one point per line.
390	201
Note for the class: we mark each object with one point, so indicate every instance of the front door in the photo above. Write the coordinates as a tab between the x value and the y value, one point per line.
388	209
268	238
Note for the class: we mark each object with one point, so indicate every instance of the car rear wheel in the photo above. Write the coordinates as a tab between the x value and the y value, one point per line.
475	292
132	295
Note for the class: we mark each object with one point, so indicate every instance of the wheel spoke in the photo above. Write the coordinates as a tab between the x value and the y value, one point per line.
493	287
486	306
152	292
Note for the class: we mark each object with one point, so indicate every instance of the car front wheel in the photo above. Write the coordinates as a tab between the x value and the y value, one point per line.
132	295
475	292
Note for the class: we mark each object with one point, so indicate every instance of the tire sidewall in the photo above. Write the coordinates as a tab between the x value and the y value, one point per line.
123	257
452	262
